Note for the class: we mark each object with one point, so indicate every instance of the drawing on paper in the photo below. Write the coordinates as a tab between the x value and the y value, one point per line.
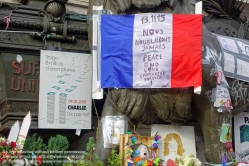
62	108
169	145
177	141
50	107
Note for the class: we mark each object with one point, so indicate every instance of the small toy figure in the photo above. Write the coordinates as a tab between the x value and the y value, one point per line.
133	139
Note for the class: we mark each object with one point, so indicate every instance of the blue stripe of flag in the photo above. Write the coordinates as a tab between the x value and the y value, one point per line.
116	51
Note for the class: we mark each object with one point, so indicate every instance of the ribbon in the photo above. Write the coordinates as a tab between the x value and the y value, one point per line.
224	160
229	163
7	20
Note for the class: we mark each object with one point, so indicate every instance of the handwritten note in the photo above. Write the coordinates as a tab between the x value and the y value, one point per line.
222	97
152	43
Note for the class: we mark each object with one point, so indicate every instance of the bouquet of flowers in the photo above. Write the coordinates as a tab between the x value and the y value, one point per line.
188	160
8	152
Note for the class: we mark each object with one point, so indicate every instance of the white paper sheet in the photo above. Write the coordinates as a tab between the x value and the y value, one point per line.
242	68
222	97
244	48
228	44
229	64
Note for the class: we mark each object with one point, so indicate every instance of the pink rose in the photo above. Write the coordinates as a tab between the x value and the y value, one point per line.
4	143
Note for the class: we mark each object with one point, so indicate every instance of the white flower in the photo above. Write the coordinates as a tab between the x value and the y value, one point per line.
188	160
19	162
2	139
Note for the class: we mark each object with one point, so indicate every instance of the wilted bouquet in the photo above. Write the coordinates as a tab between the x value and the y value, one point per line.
8	152
188	160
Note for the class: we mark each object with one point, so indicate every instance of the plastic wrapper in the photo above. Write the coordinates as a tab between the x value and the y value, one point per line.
112	127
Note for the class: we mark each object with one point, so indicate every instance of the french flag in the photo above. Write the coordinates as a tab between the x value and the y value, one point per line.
152	50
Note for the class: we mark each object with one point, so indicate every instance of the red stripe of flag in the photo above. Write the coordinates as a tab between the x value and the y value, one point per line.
186	51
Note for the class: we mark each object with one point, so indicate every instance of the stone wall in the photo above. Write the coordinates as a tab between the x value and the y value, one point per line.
246	11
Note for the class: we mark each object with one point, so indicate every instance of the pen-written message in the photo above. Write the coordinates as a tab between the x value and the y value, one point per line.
152	49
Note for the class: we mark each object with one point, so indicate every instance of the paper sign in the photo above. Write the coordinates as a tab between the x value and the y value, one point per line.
222	98
228	44
65	97
242	68
241	137
229	63
234	63
24	131
244	48
14	132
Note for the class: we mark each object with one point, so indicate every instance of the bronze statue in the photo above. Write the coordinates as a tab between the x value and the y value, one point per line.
173	105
